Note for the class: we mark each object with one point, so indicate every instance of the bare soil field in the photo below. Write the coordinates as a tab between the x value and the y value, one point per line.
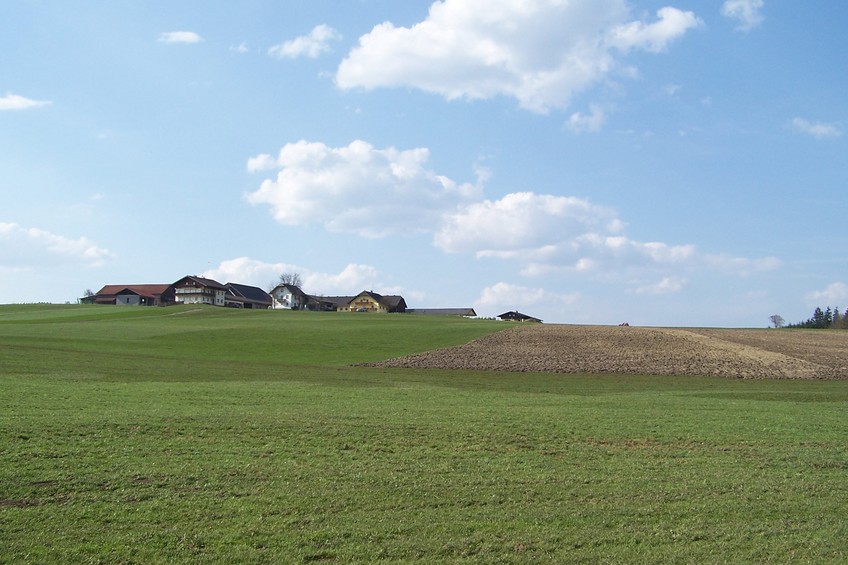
730	353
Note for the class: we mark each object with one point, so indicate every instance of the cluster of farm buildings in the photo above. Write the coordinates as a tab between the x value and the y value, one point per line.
199	290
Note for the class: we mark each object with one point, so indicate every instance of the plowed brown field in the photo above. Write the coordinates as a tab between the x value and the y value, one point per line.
732	353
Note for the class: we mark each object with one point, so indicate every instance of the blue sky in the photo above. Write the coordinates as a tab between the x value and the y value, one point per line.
593	161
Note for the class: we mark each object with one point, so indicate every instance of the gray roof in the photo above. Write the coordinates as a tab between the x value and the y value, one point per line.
252	293
200	281
516	316
294	289
336	300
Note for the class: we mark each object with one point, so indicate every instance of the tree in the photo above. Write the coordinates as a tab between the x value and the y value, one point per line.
818	318
290	278
777	320
824	319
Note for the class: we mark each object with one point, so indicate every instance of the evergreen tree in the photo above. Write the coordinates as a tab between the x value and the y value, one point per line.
824	319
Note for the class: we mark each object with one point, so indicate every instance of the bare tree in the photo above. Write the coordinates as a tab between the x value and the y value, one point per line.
777	320
291	278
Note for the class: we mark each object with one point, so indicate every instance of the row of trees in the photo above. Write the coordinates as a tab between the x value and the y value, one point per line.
821	319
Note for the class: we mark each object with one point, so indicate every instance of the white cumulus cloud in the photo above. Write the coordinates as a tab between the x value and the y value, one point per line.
179	37
15	102
22	247
819	130
835	294
540	52
356	188
591	122
350	280
522	223
668	285
313	45
558	236
747	13
671	23
245	270
607	255
374	192
508	295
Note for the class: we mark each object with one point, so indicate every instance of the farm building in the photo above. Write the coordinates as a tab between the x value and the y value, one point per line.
369	301
289	296
198	290
515	316
187	290
133	295
246	296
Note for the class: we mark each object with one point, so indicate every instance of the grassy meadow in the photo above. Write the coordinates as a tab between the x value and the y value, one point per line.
204	435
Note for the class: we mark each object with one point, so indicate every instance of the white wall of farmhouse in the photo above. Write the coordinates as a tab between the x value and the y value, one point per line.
201	296
284	298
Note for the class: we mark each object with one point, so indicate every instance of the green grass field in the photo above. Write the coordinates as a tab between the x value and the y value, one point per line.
184	435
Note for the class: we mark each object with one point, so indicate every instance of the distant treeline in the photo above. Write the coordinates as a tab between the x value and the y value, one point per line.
825	319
